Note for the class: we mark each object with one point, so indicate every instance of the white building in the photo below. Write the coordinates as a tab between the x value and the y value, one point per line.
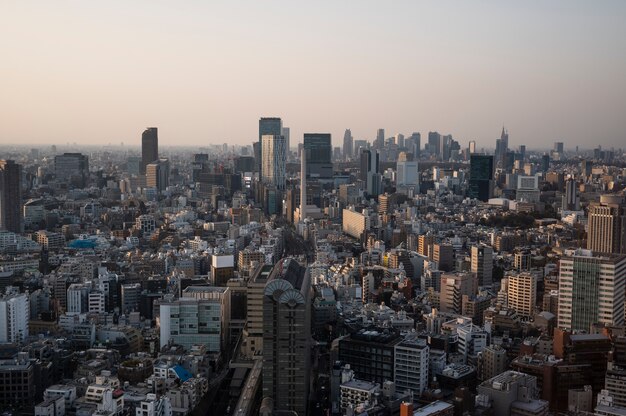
355	223
411	361
14	317
154	406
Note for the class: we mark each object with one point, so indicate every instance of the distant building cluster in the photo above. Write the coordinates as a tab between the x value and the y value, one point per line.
390	276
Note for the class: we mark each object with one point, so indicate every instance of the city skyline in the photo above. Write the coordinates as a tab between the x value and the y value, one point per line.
547	72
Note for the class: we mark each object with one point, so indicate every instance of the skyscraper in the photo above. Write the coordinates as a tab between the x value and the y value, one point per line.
274	159
268	126
369	172
434	139
318	149
149	148
607	225
407	171
481	177
10	196
571	200
286	337
348	145
72	168
286	133
591	290
416	144
502	147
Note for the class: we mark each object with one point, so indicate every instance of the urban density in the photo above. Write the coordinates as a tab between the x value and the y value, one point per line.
406	274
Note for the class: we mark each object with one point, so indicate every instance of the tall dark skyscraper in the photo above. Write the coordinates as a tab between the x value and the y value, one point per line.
416	145
369	173
481	177
319	155
502	147
286	337
10	196
149	148
348	145
72	168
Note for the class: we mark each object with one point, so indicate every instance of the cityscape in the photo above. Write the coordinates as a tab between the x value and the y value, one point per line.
203	213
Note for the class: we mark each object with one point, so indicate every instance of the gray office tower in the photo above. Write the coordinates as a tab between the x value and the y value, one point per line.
286	338
369	172
434	139
416	144
268	126
319	155
149	148
348	145
10	196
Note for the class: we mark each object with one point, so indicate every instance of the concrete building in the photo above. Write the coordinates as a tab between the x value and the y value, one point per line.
411	364
72	169
158	174
200	316
14	318
453	287
482	264
286	337
585	279
355	392
522	293
492	361
17	382
355	223
512	393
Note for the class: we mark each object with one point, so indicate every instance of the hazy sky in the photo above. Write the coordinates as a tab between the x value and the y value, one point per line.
205	71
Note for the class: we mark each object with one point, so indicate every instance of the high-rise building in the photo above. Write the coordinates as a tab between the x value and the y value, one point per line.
502	147
379	143
158	174
522	293
200	316
607	225
318	147
443	254
72	168
14	317
482	264
407	171
472	146
348	145
286	133
481	177
286	337
453	287
571	200
369	173
267	126
411	363
149	148
415	145
434	145
10	196
274	159
591	290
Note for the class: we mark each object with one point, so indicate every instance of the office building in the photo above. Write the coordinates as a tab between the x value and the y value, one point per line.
370	354
355	223
414	145
14	317
348	145
453	287
72	169
407	170
274	159
272	126
481	177
443	254
571	199
411	362
158	174
286	133
149	148
318	151
615	383
482	264
492	361
286	337
370	172
200	317
379	142
253	333
78	298
17	382
522	293
10	196
434	145
591	290
607	225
